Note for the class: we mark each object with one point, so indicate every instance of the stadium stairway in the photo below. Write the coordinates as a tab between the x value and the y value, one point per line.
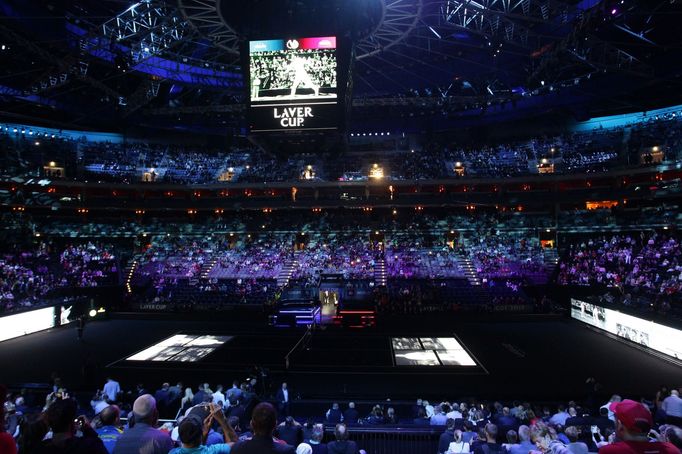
469	270
286	272
380	277
128	273
207	267
551	257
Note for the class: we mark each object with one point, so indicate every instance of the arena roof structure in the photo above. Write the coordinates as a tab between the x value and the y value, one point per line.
168	63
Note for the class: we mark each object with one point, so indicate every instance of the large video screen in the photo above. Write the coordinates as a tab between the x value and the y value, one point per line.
17	325
655	336
293	84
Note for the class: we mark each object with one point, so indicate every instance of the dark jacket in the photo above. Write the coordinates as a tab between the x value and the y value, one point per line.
342	447
261	445
445	439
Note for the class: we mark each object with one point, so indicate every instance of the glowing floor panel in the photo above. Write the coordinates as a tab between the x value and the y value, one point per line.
430	351
181	348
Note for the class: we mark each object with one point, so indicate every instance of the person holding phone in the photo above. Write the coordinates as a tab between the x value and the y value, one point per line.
633	424
61	417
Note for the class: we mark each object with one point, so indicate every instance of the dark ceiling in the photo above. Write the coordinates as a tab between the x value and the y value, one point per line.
413	57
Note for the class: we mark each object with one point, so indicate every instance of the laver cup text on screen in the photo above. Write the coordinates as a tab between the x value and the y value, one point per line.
293	84
293	116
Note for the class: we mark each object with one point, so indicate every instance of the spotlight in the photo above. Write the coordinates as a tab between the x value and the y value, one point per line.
92	313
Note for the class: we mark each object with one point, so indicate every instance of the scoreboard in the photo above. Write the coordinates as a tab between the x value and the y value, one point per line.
293	84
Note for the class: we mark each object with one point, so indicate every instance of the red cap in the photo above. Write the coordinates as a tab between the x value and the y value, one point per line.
634	416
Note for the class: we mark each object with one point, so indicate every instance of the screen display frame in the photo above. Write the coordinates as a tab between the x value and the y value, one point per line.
293	84
646	333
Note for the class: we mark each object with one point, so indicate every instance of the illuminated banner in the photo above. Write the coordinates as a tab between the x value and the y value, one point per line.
655	336
17	325
293	84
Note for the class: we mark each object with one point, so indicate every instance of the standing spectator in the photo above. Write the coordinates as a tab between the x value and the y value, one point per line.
672	406
351	415
263	422
7	444
110	431
447	437
290	431
633	423
192	431
439	417
61	417
342	445
163	398
218	396
144	438
334	415
234	391
31	433
111	389
283	402
559	418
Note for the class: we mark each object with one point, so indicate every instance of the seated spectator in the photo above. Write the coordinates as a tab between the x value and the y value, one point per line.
143	437
342	445
457	445
61	417
193	430
575	445
263	423
633	423
98	403
242	434
110	431
304	448
524	446
670	434
490	445
512	439
315	442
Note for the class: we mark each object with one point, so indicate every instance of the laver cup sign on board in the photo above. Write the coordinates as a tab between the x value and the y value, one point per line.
293	84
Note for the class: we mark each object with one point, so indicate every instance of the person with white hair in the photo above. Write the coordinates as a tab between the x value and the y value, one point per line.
304	448
143	437
342	445
614	399
525	445
672	406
